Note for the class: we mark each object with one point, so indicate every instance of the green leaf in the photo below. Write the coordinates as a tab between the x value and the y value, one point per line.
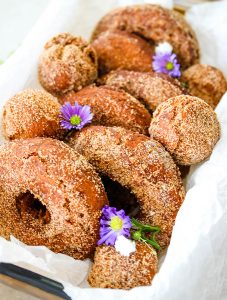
184	85
146	228
141	229
152	242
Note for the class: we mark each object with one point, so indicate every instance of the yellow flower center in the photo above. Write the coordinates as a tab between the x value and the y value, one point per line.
116	223
169	66
75	120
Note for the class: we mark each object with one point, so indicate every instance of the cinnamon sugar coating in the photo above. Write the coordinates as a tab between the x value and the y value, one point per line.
205	82
156	24
187	127
67	63
122	50
112	107
50	195
140	164
150	88
31	113
112	270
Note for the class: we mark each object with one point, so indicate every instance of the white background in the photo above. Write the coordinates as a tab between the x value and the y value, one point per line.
16	19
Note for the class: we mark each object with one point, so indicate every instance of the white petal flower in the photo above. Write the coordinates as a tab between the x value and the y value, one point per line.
124	245
163	48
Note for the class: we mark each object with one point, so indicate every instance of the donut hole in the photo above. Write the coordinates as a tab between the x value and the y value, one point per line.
120	197
31	208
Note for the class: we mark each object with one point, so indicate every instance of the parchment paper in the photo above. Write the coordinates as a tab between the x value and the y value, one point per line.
195	267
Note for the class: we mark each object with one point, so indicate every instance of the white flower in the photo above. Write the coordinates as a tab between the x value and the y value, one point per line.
124	245
163	48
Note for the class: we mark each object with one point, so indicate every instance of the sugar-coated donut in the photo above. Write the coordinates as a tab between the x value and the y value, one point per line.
205	82
31	113
140	164
122	50
113	270
156	24
187	127
50	195
67	63
150	88
112	107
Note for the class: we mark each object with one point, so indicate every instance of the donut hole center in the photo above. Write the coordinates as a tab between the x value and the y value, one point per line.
31	208
120	197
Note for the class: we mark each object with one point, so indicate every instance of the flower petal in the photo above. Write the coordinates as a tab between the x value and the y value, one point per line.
109	237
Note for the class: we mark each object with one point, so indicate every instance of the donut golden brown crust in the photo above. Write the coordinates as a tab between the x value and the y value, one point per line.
112	270
31	113
139	164
188	128
149	88
112	107
122	50
49	195
155	24
67	63
205	82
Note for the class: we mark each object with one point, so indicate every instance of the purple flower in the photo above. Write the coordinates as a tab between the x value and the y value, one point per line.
113	223
166	63
75	116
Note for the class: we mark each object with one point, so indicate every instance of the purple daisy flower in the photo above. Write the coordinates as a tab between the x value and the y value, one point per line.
166	63
113	223
75	116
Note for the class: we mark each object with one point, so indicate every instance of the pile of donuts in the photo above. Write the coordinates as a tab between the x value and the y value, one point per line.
146	127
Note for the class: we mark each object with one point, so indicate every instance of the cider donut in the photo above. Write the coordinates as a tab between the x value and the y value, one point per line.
155	24
122	50
187	127
150	88
139	164
205	82
113	270
31	113
67	63
50	195
112	107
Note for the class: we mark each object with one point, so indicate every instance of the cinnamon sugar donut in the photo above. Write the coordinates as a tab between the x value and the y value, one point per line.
122	50
205	82
49	195
112	107
150	88
31	113
188	128
67	63
155	24
140	164
113	270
